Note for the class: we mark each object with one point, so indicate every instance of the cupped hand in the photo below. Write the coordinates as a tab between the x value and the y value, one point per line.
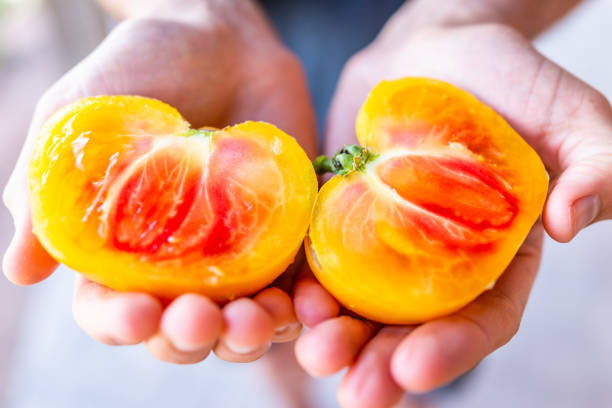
216	71
567	122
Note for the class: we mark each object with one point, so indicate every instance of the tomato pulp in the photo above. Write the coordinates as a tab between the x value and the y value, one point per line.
429	210
124	191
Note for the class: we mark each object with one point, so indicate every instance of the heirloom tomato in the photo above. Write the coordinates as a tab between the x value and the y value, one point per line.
124	191
428	212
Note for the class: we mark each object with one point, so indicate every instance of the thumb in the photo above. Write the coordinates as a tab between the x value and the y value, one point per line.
25	261
582	194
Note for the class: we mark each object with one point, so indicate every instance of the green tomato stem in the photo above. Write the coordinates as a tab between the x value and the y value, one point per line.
347	160
198	133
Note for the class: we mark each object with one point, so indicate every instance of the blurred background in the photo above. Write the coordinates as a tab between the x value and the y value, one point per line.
561	357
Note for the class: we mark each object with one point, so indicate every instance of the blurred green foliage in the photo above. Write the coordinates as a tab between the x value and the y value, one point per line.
3	7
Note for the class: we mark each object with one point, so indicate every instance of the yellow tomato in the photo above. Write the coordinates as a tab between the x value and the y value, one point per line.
124	191
430	210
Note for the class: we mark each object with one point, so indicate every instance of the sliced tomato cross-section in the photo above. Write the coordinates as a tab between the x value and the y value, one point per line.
458	202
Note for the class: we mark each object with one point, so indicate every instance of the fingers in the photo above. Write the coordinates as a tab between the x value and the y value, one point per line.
251	325
164	350
25	261
189	328
570	130
279	307
332	345
249	330
439	351
369	383
581	196
192	322
313	303
112	317
193	325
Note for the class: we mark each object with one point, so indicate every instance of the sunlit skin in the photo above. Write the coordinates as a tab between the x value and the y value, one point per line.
123	190
567	123
435	214
230	80
234	62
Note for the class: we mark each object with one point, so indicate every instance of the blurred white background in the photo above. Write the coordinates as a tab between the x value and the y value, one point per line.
562	356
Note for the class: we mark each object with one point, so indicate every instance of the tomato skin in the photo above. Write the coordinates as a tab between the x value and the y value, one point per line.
124	191
435	218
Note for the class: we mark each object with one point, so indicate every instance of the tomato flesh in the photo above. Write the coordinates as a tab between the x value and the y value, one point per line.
437	215
172	204
452	194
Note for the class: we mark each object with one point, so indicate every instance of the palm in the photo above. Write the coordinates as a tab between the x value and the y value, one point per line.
214	79
538	98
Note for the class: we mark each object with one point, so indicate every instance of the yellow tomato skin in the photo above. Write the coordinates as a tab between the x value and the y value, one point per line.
89	152
437	217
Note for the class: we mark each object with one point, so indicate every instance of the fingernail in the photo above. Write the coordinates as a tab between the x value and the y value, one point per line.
286	332
189	348
286	328
585	211
244	350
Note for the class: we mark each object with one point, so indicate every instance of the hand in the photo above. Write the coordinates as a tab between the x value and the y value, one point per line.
218	65
565	120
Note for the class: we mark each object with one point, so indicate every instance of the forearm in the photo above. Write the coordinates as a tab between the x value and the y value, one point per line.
528	16
242	17
202	12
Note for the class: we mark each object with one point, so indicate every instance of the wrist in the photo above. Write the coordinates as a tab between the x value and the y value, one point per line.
240	19
238	14
131	9
527	16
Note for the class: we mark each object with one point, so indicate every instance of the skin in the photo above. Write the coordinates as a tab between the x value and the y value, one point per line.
200	60
566	121
480	46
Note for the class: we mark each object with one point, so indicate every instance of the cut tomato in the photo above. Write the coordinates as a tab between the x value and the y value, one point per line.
125	192
429	211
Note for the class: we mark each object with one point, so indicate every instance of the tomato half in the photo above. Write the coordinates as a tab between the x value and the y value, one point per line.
124	191
429	210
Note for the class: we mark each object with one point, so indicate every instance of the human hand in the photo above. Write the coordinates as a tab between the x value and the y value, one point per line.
566	121
218	64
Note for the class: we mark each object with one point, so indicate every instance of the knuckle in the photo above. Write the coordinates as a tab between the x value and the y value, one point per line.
354	67
47	101
497	318
354	75
138	25
595	104
510	315
151	30
497	32
286	61
492	32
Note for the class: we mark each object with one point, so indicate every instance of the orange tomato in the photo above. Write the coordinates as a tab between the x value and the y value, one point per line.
430	210
124	191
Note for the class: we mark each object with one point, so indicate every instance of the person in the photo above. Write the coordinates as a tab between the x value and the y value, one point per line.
220	62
